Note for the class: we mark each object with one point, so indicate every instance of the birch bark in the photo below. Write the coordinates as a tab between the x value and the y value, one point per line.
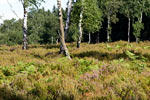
25	19
66	52
68	17
129	27
140	21
80	27
89	38
108	29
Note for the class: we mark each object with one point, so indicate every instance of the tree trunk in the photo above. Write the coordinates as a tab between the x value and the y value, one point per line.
68	17
66	52
80	30
89	38
56	41
62	50
108	29
52	40
25	28
129	26
141	18
137	40
140	21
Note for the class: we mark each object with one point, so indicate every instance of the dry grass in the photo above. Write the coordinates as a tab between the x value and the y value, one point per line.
113	71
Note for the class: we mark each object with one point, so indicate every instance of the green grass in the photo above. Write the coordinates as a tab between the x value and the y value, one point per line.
113	71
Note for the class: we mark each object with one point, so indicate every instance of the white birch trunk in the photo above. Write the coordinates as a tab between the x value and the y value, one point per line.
62	30
129	27
25	19
89	38
140	21
108	29
68	17
141	17
52	40
56	41
80	29
137	40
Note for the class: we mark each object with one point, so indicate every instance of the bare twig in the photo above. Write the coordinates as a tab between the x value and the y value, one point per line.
12	8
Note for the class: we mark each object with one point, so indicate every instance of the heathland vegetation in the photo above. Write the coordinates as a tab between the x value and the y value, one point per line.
93	50
114	71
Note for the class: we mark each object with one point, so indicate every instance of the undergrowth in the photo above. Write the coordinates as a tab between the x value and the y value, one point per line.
114	71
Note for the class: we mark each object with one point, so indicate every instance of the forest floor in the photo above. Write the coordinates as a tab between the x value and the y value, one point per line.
113	71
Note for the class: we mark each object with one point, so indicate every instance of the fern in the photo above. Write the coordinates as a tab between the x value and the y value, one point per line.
131	55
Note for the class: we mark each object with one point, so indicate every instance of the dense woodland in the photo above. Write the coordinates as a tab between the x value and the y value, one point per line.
123	16
106	41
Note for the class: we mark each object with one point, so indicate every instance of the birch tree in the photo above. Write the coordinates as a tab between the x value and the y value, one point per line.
26	4
80	26
69	8
140	7
110	9
128	11
68	17
92	17
77	18
88	16
62	39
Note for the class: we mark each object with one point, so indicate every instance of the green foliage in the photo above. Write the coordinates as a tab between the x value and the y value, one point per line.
120	68
38	32
131	55
110	8
46	27
135	9
11	32
92	16
137	27
108	47
73	33
128	8
87	66
29	3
